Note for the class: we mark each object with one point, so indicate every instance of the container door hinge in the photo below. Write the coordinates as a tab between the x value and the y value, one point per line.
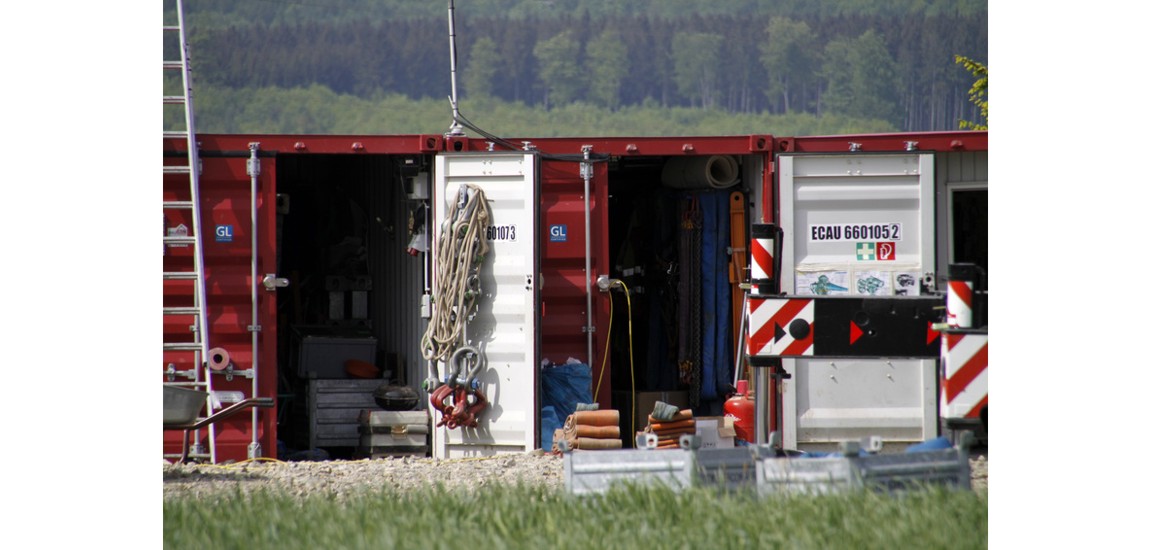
171	373
253	161
586	166
230	371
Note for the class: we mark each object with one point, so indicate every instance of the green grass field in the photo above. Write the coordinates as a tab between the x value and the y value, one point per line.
536	518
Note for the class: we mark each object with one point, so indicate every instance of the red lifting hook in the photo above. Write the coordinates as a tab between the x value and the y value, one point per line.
459	412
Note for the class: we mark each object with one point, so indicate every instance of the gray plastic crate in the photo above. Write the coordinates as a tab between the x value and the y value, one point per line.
597	471
324	356
730	468
759	468
885	472
334	411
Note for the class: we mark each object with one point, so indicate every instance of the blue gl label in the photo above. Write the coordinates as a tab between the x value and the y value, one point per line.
558	233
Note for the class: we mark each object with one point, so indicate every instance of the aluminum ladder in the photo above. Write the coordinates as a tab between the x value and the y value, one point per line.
186	207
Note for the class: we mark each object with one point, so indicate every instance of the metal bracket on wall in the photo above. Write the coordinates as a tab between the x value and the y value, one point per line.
229	372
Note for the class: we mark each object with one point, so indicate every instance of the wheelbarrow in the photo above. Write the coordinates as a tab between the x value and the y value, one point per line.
182	406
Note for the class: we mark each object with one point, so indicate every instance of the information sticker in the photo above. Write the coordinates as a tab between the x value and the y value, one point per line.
855	232
502	233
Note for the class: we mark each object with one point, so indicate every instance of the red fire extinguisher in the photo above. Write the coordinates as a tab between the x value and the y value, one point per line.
742	410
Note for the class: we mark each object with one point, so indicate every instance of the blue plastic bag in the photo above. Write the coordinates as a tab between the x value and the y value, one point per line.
549	423
562	387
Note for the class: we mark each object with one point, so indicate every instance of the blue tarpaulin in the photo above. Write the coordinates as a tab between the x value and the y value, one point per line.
716	296
562	387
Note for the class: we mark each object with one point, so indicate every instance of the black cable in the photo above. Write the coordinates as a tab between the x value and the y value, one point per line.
573	157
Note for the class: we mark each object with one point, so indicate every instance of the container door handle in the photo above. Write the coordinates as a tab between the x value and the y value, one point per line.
272	282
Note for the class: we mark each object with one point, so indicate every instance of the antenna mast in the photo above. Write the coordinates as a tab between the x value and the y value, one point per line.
456	130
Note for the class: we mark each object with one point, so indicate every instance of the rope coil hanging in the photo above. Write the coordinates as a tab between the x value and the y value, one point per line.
460	249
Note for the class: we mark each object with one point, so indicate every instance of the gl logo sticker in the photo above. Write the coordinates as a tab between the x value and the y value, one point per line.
558	233
223	233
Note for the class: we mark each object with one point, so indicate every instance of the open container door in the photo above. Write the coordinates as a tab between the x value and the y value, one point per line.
857	224
504	327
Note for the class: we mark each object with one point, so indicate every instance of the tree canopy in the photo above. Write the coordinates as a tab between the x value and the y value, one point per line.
849	59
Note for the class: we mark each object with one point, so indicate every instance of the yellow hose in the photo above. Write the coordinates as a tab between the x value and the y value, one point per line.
608	349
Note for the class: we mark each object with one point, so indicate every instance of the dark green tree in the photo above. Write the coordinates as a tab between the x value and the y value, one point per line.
483	68
559	61
859	74
695	58
607	60
792	59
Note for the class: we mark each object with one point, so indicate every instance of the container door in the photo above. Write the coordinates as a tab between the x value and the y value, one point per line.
504	327
239	251
860	225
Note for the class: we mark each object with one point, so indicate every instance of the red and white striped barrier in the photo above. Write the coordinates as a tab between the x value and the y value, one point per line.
965	386
769	326
763	247
960	304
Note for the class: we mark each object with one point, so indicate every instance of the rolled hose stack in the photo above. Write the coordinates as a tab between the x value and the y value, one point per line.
668	424
590	430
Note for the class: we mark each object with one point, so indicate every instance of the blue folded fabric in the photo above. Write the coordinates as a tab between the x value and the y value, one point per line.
938	444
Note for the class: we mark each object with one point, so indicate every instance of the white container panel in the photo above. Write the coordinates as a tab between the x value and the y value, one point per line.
504	325
864	222
828	401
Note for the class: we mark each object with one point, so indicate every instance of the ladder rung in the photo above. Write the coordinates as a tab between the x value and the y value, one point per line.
177	170
179	240
178	204
182	346
173	100
173	64
176	134
180	275
181	311
186	383
171	27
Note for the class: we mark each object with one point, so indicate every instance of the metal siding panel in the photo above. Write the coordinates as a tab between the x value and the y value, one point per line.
563	289
505	322
859	398
953	167
398	277
225	190
844	399
853	189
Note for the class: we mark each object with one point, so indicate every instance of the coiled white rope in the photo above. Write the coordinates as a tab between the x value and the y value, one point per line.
460	249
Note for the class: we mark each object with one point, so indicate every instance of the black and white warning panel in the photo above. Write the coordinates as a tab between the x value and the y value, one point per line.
836	326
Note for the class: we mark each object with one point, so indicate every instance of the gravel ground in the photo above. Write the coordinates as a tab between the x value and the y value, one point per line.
339	478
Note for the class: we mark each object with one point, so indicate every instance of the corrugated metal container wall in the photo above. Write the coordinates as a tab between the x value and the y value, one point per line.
227	237
370	162
399	278
958	172
958	215
564	291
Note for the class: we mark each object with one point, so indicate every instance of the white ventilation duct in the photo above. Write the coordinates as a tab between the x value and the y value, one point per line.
699	172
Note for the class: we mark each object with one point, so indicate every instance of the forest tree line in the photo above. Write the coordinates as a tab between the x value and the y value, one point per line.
225	13
899	70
